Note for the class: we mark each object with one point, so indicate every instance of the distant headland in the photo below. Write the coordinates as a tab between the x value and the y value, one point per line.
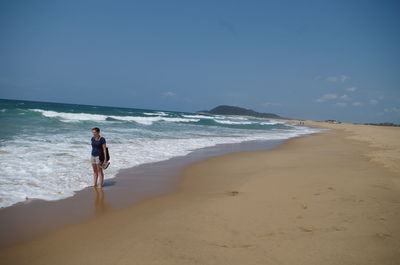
233	110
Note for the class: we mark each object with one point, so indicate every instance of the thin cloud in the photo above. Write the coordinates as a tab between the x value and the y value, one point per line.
340	78
327	97
357	104
351	89
373	101
344	78
268	104
332	79
169	94
345	97
392	110
341	104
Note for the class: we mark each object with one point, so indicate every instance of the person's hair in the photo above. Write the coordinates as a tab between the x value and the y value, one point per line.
96	129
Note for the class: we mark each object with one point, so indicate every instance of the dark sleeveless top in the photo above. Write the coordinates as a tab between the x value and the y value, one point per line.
97	146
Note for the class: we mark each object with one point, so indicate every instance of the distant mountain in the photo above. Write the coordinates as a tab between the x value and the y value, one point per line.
232	110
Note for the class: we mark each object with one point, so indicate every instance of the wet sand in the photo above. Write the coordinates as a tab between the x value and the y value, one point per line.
27	220
328	198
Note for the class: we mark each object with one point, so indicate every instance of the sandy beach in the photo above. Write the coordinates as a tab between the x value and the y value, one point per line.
329	198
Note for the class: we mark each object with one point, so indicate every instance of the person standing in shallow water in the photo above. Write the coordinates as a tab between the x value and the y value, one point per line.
98	146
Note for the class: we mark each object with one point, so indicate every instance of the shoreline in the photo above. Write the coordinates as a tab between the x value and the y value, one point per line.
33	218
317	199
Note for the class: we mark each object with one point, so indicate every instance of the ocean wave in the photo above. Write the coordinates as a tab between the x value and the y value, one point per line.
271	122
71	117
234	122
160	113
151	120
77	117
198	116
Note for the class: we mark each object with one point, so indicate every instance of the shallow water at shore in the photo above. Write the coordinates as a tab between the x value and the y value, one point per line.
26	220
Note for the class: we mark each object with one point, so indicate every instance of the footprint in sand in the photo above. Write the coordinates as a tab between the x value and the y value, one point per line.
306	228
304	205
272	234
311	228
231	245
334	228
382	187
233	193
382	235
338	228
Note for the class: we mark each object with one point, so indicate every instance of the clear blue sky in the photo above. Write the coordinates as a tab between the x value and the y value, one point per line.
302	59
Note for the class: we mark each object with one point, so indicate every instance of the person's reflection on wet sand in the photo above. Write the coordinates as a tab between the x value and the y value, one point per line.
99	204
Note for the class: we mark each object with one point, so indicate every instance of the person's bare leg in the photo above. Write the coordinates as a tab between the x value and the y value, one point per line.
101	174
95	174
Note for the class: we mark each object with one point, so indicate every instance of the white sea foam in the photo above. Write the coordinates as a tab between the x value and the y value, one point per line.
271	122
76	117
198	116
150	120
60	166
233	122
160	113
71	117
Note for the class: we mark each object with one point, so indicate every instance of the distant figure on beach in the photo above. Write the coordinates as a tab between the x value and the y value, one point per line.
98	146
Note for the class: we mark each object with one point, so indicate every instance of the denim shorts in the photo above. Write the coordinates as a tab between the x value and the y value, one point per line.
95	159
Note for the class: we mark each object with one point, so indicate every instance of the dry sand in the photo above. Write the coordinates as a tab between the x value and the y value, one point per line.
329	198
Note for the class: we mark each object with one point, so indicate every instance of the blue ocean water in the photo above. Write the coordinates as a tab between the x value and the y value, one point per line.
45	147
